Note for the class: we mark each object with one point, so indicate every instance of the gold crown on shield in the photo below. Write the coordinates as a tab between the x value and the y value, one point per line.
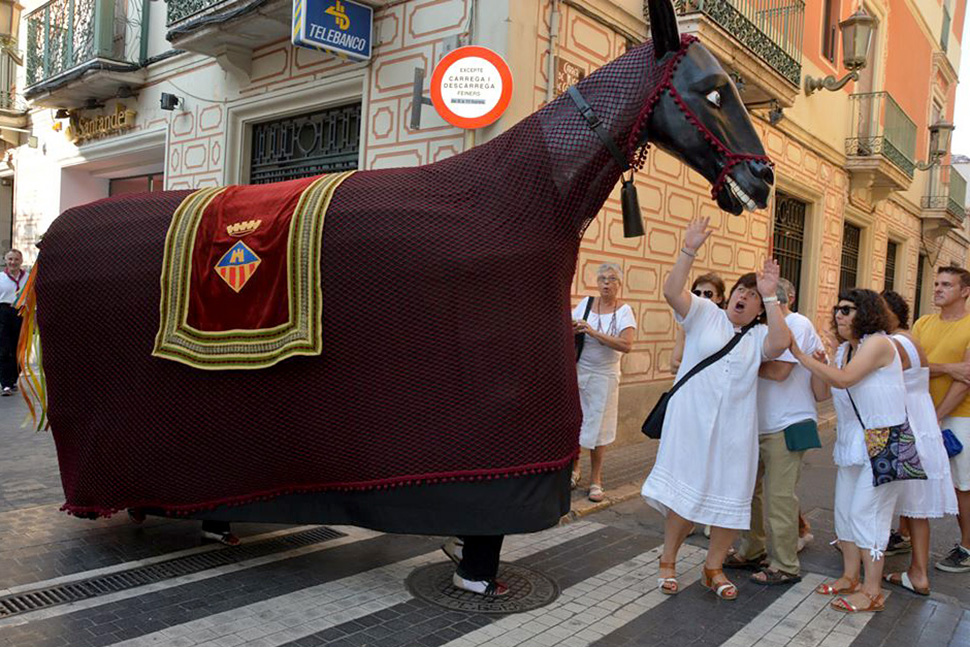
244	228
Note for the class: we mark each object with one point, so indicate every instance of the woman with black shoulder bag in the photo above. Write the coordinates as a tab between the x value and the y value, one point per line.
608	328
708	456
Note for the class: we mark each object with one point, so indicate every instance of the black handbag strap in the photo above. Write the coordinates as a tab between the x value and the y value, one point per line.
713	358
589	306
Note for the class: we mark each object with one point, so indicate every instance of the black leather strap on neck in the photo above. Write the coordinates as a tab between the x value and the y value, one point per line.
597	127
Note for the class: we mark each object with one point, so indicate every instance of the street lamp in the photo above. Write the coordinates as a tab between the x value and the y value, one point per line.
856	39
9	20
940	134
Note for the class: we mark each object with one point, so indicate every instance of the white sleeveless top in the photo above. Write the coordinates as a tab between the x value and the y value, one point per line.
881	400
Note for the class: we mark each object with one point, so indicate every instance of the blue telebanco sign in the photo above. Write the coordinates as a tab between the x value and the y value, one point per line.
340	27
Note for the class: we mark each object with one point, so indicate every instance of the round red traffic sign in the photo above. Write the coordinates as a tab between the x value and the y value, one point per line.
471	87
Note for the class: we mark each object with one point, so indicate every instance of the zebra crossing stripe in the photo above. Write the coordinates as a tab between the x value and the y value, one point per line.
293	616
353	535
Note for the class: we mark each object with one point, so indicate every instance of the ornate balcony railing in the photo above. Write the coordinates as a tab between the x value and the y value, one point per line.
880	127
182	9
946	190
12	102
772	29
66	34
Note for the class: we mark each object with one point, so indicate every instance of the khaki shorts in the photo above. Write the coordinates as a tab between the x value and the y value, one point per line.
960	464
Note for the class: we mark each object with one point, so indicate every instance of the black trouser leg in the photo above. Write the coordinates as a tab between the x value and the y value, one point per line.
9	336
480	556
218	527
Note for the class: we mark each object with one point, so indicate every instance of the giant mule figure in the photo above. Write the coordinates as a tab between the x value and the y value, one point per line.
445	398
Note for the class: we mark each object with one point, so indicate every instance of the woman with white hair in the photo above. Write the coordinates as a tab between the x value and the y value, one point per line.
610	328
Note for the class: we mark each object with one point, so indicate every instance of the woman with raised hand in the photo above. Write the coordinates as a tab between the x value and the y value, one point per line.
866	385
708	286
708	456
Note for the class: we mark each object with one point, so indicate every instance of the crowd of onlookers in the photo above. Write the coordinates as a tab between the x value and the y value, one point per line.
735	429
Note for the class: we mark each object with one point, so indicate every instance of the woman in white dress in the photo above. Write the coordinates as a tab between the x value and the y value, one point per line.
708	456
868	369
935	497
609	329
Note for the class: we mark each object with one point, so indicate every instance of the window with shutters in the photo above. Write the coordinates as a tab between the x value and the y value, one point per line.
789	240
851	239
325	141
891	251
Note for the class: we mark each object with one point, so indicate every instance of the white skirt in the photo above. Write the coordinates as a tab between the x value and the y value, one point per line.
934	497
599	396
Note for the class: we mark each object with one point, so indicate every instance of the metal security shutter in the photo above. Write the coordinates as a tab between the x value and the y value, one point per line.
789	240
321	142
890	282
851	236
920	264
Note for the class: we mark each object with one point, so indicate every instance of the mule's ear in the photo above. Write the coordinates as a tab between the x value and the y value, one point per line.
663	27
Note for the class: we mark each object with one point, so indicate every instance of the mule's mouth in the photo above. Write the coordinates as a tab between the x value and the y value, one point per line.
735	199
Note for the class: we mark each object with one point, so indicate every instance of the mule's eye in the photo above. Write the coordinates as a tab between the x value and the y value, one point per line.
714	97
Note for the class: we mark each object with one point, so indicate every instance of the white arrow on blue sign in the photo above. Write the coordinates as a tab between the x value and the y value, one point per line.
340	27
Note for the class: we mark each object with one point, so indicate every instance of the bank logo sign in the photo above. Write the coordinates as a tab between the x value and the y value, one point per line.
340	27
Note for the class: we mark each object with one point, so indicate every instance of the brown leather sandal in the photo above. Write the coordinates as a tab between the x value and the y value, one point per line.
668	585
829	589
876	603
724	590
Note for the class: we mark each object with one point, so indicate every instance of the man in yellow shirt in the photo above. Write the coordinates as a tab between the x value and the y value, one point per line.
946	339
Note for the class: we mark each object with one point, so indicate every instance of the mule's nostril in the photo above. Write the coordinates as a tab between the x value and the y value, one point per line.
764	172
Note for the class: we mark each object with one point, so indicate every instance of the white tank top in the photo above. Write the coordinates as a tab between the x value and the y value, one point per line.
881	400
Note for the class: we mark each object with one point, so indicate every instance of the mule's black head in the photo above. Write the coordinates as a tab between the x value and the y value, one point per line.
710	98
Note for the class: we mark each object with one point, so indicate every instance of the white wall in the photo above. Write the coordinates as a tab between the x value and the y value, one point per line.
80	187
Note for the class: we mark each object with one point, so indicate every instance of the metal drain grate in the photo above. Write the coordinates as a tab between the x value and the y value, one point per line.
528	589
142	575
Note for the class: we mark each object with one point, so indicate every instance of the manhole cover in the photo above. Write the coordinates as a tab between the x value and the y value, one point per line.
528	589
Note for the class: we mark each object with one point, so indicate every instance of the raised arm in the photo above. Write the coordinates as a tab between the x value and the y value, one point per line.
779	337
873	354
675	287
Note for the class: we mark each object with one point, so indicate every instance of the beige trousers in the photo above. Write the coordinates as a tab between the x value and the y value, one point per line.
774	495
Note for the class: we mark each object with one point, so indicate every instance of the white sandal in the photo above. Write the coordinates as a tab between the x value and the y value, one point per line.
574	480
595	493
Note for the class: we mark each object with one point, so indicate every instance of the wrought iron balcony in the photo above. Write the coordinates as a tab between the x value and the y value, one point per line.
68	38
946	195
881	128
228	30
182	9
771	29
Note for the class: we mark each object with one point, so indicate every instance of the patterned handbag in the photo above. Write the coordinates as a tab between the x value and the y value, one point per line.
892	452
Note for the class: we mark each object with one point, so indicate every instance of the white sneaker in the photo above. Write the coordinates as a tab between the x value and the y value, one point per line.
7	391
453	549
707	531
805	541
489	588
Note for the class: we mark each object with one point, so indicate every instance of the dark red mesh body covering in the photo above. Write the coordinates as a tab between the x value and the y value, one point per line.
448	349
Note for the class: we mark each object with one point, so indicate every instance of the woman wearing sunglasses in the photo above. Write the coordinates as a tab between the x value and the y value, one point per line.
869	370
708	456
706	286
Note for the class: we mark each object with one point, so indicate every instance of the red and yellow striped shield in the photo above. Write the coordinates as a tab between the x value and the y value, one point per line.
237	265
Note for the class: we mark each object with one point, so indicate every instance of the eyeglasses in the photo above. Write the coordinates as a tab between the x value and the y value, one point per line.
607	279
707	294
845	310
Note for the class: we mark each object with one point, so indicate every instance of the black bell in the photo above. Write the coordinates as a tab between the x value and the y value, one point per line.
632	220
